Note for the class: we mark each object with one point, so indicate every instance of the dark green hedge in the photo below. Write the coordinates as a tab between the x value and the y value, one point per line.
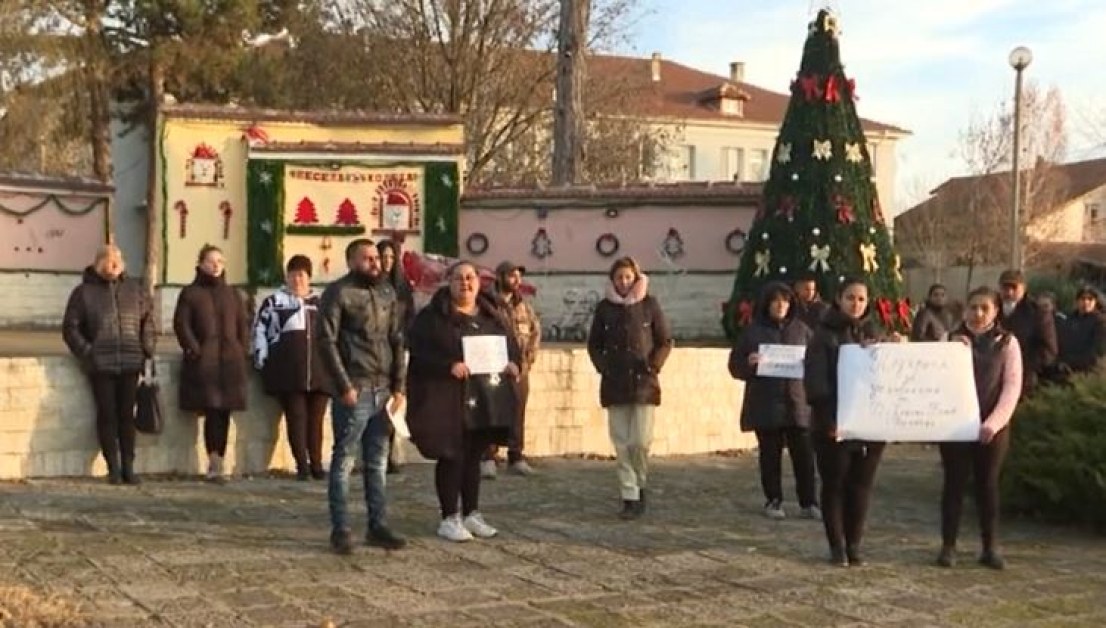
1056	469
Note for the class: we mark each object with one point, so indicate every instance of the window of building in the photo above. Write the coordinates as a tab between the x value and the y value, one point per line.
732	159
732	107
1093	211
682	164
757	167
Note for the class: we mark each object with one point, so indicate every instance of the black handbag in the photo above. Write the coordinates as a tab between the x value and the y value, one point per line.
147	402
491	402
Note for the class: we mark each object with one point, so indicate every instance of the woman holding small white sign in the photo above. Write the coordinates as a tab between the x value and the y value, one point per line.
461	394
847	468
997	362
775	406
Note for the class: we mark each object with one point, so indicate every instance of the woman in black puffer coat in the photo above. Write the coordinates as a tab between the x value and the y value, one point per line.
773	407
108	326
847	468
1083	334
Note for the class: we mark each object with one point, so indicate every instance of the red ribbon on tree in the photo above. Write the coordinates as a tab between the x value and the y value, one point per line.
786	207
809	85
883	306
877	211
832	92
852	89
904	313
182	209
744	313
844	209
227	212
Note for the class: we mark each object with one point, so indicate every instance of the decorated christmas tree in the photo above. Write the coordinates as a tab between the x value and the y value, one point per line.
347	214
819	214
306	213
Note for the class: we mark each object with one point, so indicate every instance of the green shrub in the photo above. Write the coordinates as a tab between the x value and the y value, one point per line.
1056	469
1063	287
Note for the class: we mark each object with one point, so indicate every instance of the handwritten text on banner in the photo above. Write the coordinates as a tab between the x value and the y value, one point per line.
782	361
921	392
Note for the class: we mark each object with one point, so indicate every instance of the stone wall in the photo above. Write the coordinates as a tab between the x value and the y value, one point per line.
35	299
47	424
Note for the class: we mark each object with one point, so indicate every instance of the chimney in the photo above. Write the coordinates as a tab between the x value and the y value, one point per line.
737	72
656	67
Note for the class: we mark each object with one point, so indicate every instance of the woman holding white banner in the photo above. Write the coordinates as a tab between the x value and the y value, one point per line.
775	406
459	403
997	362
848	468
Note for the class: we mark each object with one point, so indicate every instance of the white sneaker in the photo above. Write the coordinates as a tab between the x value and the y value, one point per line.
479	528
811	512
774	510
214	468
487	469
521	467
451	529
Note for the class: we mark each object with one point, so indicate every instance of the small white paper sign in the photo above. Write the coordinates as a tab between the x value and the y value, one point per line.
485	355
398	415
783	361
902	392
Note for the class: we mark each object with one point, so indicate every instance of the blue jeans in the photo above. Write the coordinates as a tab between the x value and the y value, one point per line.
364	427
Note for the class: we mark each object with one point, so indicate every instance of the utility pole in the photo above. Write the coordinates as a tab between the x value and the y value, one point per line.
568	136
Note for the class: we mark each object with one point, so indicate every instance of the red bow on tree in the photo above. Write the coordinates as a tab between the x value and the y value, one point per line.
745	313
883	306
904	313
852	89
845	214
786	207
809	85
877	211
832	92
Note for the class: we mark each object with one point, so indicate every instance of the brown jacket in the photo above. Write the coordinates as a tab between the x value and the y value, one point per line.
212	327
628	344
526	326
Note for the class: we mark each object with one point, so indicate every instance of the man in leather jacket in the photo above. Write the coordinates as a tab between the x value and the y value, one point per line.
360	335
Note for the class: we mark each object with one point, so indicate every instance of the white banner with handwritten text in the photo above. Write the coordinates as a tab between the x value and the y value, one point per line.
906	392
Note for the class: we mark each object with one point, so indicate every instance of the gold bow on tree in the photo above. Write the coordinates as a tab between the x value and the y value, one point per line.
820	257
868	254
763	258
898	267
823	149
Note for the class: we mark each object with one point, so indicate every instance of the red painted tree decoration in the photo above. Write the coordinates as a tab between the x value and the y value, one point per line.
226	210
306	214
182	210
844	209
347	214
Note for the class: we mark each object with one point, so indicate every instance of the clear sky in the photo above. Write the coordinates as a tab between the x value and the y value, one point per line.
924	66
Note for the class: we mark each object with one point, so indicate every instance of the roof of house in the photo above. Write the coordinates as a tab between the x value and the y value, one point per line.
687	192
36	181
203	111
1079	178
686	93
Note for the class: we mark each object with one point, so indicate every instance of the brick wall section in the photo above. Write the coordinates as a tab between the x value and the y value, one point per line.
47	423
35	300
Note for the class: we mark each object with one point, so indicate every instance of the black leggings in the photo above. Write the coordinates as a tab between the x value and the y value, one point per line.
459	480
770	444
216	429
303	416
114	396
848	470
984	462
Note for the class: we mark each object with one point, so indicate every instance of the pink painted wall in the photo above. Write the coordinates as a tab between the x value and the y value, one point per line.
641	231
46	238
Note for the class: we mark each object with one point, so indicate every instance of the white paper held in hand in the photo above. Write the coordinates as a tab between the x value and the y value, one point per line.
485	355
781	361
397	414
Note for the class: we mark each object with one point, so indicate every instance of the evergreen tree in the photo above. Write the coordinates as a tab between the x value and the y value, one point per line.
820	213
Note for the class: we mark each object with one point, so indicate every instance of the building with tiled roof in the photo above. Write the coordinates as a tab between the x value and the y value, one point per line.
723	127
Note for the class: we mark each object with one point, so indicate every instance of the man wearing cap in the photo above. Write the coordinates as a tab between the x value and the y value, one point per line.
527	327
1034	328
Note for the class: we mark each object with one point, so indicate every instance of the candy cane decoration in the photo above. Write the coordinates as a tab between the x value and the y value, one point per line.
182	209
227	212
326	246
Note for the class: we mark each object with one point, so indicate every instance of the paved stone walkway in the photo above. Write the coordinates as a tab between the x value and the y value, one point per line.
253	553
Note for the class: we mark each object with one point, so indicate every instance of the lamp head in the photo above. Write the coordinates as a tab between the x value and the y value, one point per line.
1020	58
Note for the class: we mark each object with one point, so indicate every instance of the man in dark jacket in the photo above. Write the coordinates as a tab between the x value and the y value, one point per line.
934	321
1034	328
809	306
361	339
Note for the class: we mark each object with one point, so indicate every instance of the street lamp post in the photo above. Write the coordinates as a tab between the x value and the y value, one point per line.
1020	58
